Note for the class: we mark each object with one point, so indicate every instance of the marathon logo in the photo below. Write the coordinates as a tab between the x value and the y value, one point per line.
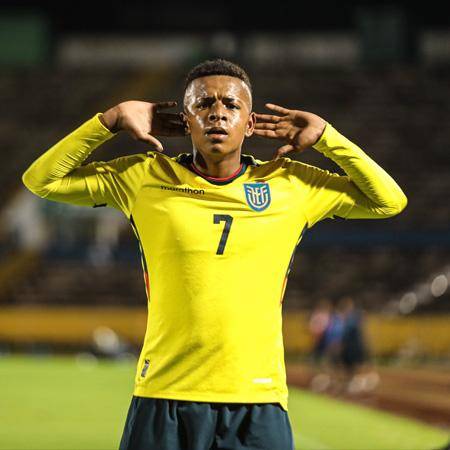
187	190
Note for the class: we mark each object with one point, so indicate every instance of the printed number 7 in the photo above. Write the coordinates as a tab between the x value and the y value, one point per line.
226	229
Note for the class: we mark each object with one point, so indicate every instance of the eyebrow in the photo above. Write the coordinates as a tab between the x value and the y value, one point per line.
227	99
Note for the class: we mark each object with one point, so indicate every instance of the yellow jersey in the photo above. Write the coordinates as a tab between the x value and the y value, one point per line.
216	253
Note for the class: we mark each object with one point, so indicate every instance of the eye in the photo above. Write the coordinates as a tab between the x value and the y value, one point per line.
231	105
203	103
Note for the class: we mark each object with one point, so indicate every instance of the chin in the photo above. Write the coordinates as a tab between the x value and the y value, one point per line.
217	148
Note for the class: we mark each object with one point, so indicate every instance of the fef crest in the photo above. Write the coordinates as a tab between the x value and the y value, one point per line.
257	195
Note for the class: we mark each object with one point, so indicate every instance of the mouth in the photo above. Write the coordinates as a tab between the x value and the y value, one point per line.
217	133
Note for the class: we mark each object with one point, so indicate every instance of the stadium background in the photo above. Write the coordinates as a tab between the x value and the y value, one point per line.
72	300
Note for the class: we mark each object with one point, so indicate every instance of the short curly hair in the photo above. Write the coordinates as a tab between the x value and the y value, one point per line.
218	66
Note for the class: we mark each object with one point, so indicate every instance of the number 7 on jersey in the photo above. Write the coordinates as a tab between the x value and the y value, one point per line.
226	229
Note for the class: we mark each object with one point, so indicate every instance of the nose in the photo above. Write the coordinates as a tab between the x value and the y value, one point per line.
217	114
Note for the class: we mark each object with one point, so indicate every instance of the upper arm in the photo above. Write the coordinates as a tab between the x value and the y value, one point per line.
113	183
327	194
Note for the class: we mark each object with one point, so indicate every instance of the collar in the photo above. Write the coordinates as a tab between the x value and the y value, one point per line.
187	160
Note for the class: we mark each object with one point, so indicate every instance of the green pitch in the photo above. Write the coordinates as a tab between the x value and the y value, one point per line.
64	404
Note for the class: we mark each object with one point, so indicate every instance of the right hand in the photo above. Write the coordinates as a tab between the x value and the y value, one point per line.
139	119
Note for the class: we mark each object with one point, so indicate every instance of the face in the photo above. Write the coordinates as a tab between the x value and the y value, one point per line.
218	101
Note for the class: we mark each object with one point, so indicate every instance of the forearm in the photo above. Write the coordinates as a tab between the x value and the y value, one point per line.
370	178
65	156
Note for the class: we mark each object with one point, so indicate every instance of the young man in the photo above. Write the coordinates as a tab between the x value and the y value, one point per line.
217	231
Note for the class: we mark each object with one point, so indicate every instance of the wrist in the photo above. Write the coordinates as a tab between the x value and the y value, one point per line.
321	134
110	119
319	131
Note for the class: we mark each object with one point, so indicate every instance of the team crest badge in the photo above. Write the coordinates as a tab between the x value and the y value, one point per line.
257	195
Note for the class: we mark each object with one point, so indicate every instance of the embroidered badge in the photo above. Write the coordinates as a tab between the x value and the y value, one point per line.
257	195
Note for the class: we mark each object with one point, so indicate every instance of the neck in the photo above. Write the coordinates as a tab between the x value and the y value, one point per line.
224	168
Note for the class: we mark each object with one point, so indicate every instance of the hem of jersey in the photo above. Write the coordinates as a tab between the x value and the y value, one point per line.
194	396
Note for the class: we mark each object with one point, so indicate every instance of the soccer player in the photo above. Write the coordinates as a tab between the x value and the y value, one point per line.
217	232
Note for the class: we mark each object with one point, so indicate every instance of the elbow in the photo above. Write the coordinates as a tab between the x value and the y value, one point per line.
27	180
403	203
398	207
31	184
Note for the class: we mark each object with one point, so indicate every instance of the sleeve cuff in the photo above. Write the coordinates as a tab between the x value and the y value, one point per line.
101	128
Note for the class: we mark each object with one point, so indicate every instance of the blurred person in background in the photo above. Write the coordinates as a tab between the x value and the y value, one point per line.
358	373
353	348
24	223
205	221
318	324
329	372
333	348
106	239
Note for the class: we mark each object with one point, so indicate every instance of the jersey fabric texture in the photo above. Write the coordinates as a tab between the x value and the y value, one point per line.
216	254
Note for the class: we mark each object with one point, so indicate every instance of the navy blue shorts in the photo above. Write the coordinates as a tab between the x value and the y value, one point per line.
165	424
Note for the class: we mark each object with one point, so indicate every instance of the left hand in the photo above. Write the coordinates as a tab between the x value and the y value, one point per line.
299	129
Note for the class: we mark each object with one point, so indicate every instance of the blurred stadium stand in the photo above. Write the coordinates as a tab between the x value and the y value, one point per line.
396	109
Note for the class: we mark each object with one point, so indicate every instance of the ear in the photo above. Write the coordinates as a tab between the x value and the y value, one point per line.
185	119
251	122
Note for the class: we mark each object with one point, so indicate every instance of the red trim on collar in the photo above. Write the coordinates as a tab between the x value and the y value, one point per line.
216	178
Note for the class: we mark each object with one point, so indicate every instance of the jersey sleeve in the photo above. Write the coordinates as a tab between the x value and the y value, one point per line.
367	191
60	175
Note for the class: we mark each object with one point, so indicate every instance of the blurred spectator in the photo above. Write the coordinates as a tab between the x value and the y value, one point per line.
329	377
318	323
333	338
340	352
108	226
24	222
358	374
353	350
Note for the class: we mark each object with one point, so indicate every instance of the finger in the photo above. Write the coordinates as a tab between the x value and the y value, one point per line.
267	118
170	116
266	133
266	126
278	108
173	123
162	105
173	131
170	119
282	151
153	141
147	137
